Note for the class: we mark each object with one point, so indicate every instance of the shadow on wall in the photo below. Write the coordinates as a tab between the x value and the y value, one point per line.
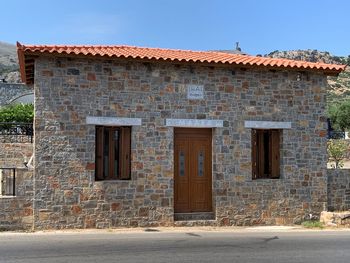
338	189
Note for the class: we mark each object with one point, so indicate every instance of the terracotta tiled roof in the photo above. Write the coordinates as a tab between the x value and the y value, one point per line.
210	57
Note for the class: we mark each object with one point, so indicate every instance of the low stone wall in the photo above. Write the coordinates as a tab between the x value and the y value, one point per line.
14	154
16	212
335	218
17	139
338	189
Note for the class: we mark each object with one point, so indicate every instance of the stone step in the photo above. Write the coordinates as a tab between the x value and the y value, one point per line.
189	223
194	216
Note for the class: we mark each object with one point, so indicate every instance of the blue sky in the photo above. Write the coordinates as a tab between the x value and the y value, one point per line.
261	26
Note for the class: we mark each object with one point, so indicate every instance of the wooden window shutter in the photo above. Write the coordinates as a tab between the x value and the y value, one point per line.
99	154
254	155
125	152
111	153
270	147
260	156
275	153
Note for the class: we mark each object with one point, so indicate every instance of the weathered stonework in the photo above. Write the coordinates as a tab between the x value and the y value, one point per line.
67	194
338	189
335	219
16	212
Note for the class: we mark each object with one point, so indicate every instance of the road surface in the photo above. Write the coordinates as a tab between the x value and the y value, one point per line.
186	245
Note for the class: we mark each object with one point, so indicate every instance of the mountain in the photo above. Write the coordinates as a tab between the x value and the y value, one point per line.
311	55
9	63
339	87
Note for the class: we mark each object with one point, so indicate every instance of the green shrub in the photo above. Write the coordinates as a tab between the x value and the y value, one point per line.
17	113
337	150
312	224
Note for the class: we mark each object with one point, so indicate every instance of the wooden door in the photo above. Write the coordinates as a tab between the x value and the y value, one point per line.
192	177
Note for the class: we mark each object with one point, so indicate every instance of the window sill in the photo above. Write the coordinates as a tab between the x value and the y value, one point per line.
112	181
8	196
266	178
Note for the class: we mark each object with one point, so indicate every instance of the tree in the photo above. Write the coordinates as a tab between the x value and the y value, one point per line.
339	113
343	115
337	150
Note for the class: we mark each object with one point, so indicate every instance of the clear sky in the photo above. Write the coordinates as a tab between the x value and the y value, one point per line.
261	26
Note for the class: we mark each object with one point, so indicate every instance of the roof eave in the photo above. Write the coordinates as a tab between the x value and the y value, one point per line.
21	60
23	52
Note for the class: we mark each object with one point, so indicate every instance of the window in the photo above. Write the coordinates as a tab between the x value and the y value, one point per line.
266	153
112	153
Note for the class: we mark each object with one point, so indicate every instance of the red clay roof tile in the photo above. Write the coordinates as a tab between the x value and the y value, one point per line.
172	55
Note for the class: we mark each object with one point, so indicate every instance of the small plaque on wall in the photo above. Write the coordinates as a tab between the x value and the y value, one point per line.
195	92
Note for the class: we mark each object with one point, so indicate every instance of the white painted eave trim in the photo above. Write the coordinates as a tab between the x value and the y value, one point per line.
194	123
268	124
113	121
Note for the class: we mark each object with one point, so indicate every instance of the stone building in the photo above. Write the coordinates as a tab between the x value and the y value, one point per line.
130	136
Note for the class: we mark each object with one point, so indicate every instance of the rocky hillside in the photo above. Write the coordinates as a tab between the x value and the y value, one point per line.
339	87
8	63
310	55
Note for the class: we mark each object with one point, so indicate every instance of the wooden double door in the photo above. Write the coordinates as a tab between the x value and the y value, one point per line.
193	165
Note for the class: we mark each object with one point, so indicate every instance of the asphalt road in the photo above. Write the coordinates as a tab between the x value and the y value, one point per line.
177	246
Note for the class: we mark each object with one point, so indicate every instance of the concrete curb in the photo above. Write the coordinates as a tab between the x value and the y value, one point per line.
266	229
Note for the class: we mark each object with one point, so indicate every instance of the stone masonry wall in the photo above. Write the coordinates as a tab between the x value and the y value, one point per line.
16	212
338	189
69	89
